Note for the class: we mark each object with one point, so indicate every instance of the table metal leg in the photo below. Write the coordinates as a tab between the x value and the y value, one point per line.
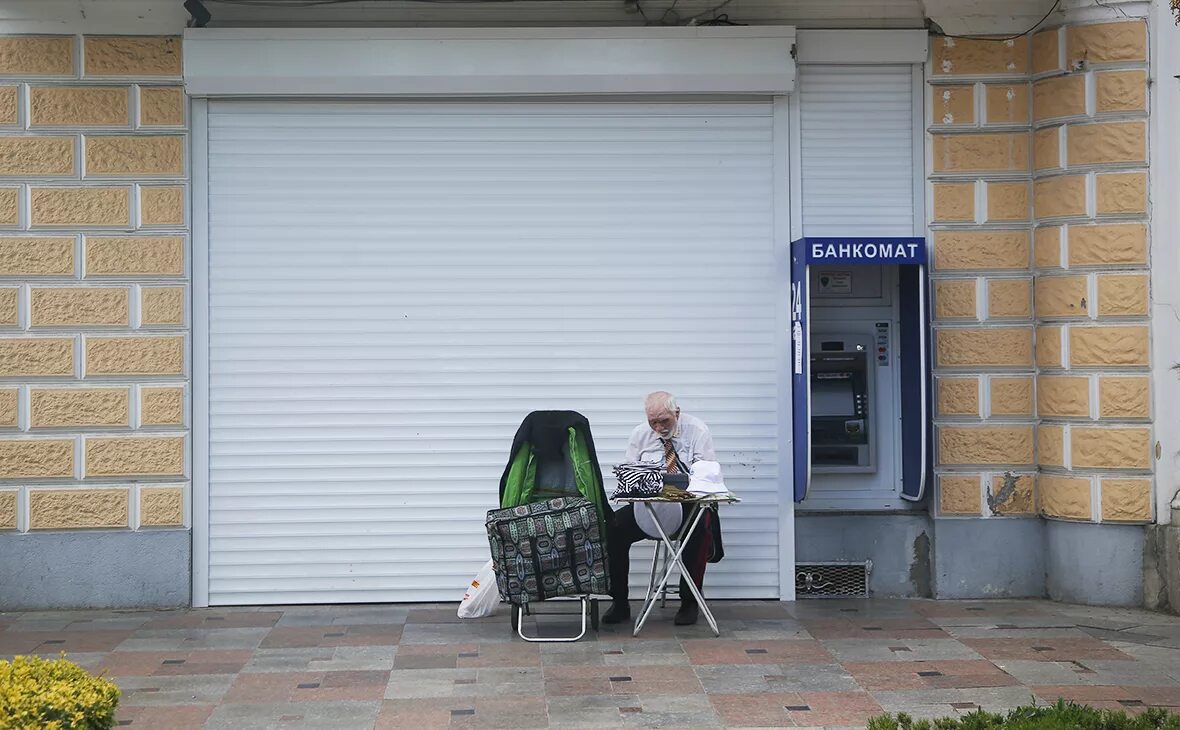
676	561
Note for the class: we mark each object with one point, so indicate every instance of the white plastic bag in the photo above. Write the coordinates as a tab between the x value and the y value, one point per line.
482	595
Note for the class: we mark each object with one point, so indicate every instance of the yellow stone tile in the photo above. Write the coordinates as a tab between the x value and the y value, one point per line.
60	306
977	346
959	495
9	105
1062	296
1108	143
134	155
1049	352
1060	196
1108	346
1020	493
80	407
36	256
1008	201
1110	448
161	205
39	356
142	56
9	309
1012	396
1009	298
1060	96
37	55
962	56
37	156
163	305
992	152
1106	42
1064	497
134	256
8	508
1121	91
79	106
954	299
9	206
953	104
8	407
1050	445
1122	295
1047	247
36	458
1046	47
161	506
1123	243
1007	103
135	456
958	397
981	250
161	406
80	207
1126	500
1128	397
1121	193
61	509
954	202
1063	396
134	355
161	106
1047	148
985	445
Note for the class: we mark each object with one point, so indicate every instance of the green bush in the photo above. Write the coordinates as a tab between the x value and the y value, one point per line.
1061	716
44	694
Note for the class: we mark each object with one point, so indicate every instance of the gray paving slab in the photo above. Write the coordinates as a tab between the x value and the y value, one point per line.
199	689
897	650
510	671
301	715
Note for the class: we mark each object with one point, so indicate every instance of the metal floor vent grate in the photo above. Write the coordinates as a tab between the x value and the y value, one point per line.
832	580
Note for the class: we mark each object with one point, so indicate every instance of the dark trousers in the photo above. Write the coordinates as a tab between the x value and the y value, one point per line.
624	533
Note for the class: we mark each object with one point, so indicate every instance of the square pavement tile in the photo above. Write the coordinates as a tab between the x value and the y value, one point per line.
898	650
1045	649
302	715
723	651
190	717
355	686
949	674
480	712
159	663
203	689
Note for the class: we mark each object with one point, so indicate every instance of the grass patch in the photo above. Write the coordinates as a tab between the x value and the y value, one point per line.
1061	716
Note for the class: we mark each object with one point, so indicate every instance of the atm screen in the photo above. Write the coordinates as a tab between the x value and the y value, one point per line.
832	397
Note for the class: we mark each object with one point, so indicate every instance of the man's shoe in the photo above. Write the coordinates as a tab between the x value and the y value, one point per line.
619	612
687	615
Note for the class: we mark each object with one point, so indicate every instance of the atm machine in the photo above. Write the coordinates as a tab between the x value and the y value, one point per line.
860	373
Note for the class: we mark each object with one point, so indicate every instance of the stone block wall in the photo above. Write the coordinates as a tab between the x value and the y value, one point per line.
1039	214
981	230
1090	173
94	291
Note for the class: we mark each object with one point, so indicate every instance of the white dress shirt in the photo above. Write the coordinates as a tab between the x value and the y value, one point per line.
692	442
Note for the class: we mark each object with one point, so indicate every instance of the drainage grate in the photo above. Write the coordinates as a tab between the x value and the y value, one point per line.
832	580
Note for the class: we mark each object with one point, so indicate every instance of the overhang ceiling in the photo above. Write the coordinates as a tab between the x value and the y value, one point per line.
113	16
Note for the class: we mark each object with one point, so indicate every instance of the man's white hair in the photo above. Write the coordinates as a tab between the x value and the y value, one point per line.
661	400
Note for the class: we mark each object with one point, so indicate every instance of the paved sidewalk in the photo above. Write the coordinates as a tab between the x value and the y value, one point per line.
811	663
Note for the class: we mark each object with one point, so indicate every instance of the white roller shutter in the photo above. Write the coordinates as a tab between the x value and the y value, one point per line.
393	287
857	157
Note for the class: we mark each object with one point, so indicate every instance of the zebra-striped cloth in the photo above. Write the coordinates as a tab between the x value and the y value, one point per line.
639	479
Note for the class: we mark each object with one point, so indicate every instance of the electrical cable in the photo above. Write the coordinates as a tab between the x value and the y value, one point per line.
1036	25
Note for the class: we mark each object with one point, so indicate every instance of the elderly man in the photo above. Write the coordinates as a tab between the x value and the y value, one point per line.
676	441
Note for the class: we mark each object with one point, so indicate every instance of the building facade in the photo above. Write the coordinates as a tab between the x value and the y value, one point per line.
264	335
